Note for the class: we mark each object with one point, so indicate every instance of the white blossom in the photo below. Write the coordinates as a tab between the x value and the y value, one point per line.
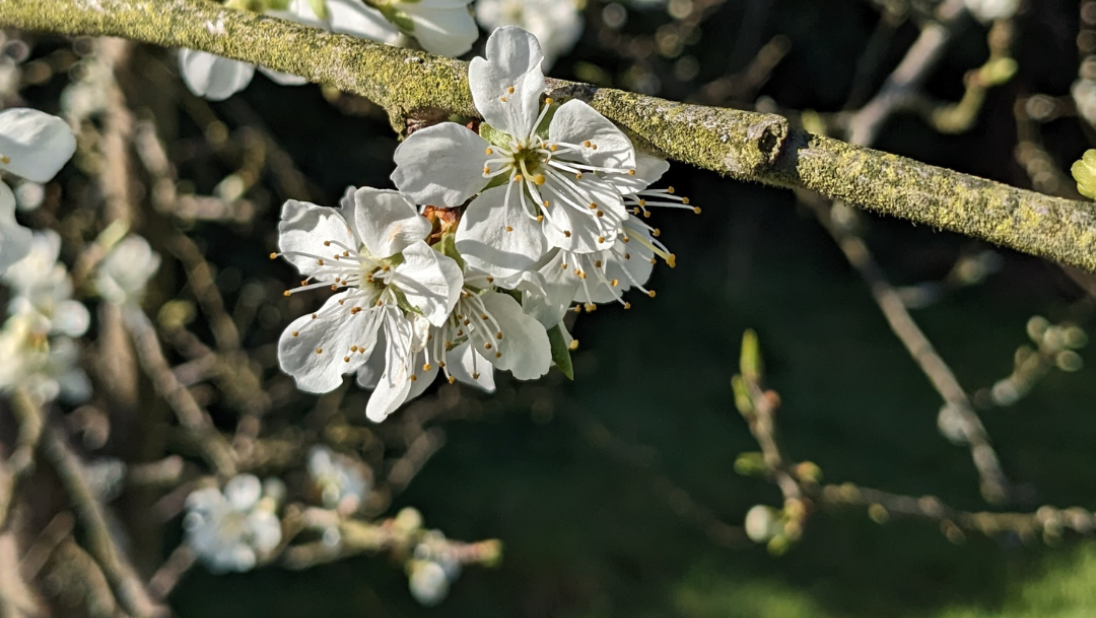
33	145
989	10
341	481
124	272
427	581
557	24
233	530
542	186
41	285
373	247
45	367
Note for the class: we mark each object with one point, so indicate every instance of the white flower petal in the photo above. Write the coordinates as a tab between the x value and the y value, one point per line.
305	227
386	222
34	144
423	379
243	491
370	373
15	240
353	17
525	349
649	169
463	362
443	31
431	281
283	79
550	302
266	531
395	383
213	77
485	244
513	62
441	165
575	122
70	318
315	357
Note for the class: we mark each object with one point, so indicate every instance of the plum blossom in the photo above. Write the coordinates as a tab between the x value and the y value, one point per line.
341	481
41	285
233	530
33	145
44	366
539	169
441	26
394	287
125	271
557	24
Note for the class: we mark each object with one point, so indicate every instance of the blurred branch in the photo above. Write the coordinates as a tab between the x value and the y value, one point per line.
128	589
21	461
215	449
744	145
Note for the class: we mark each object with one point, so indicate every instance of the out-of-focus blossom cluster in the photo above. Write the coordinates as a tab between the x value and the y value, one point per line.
496	232
233	529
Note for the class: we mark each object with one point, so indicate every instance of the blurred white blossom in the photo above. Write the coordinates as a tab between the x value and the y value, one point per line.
989	10
233	530
41	285
125	271
557	24
45	367
341	482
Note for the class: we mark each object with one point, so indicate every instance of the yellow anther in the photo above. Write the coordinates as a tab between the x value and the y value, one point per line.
509	229
510	90
601	239
441	364
656	232
498	354
590	307
646	214
578	309
582	275
627	256
578	176
642	203
452	379
483	316
346	359
490	280
295	333
518	178
670	190
566	233
651	293
540	218
498	335
593	206
631	172
414	377
313	316
5	159
489	151
573	345
601	213
685	201
334	287
627	305
320	261
353	348
487	346
696	209
327	243
503	99
653	261
553	148
548	101
486	170
546	204
319	350
538	179
287	293
597	264
587	143
672	261
273	256
475	376
615	282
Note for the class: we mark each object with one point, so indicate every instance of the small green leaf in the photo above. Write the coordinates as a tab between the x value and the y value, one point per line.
751	463
750	360
561	353
493	135
277	5
742	399
1084	172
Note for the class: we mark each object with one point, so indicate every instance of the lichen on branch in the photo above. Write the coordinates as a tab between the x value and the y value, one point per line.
744	145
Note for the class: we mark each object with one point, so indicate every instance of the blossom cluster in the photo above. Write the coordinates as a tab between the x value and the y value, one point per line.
497	230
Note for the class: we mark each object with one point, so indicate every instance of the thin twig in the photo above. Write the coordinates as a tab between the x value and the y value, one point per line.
128	589
215	449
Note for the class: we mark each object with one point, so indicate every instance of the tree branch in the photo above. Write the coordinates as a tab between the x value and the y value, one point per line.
744	145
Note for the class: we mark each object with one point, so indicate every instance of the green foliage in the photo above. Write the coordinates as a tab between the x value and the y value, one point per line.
561	351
